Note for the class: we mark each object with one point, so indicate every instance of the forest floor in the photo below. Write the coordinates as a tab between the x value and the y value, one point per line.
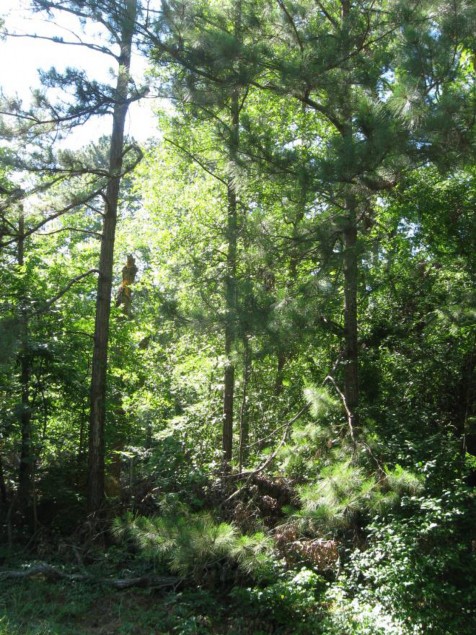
43	607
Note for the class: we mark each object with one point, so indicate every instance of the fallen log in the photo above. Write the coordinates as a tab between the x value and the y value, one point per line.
49	572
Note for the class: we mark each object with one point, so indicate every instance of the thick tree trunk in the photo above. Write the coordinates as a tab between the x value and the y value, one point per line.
103	302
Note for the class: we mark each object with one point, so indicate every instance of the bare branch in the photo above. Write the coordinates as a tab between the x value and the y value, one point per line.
47	571
346	407
197	160
72	229
56	40
291	22
59	295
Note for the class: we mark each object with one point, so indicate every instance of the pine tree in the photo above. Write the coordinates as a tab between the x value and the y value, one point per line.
90	98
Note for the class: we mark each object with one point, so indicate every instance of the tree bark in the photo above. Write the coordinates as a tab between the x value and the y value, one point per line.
230	292
25	471
351	357
244	418
96	459
351	263
231	263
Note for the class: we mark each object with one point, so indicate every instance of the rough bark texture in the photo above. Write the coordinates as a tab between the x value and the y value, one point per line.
103	302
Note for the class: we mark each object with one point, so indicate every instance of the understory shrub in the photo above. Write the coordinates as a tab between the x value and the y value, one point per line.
294	600
197	547
417	574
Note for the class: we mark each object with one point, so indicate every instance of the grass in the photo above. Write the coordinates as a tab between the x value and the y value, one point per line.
37	607
40	607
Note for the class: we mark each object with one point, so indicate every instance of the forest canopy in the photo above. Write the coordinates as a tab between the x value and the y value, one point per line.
238	354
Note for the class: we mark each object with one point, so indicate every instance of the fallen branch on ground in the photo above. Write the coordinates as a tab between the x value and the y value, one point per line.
47	571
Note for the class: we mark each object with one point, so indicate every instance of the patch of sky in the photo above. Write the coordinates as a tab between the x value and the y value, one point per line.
22	57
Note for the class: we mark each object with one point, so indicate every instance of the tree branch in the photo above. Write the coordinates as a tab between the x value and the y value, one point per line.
326	13
65	210
97	235
56	40
198	161
346	407
271	457
48	572
59	295
291	22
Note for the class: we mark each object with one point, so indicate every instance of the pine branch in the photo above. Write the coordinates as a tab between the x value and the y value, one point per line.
51	6
88	232
271	457
59	40
326	13
291	22
64	210
197	160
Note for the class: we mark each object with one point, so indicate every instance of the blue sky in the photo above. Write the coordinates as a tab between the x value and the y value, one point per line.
21	57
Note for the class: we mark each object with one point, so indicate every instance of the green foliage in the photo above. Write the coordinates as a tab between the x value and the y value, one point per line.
343	105
294	598
197	547
321	402
336	500
417	573
169	465
347	495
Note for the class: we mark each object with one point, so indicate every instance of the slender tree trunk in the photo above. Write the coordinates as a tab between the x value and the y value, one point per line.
351	357
351	263
103	302
25	473
230	291
244	419
3	491
231	262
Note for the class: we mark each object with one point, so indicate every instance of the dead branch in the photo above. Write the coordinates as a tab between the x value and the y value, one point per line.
346	407
271	457
48	572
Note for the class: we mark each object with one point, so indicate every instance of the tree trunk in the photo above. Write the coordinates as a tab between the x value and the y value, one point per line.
231	262
3	491
103	302
230	326
351	381
244	419
351	264
25	472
